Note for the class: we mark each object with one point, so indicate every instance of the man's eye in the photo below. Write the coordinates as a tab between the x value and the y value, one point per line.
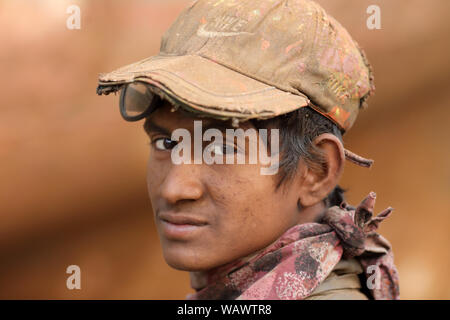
223	149
164	144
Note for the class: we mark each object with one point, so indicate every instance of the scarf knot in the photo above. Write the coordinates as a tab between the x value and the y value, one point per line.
352	226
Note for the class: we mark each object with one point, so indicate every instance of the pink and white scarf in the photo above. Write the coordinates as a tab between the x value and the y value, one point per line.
295	264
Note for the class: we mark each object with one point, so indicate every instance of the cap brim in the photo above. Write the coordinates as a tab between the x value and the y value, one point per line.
210	88
206	86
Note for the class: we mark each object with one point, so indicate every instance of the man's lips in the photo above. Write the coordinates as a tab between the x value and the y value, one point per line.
181	219
179	225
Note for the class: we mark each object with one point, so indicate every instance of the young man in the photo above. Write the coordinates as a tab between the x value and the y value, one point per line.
273	225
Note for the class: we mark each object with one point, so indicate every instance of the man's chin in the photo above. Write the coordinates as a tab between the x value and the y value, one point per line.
184	259
187	265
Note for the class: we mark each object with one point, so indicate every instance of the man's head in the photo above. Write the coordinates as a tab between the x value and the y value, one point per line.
268	64
231	211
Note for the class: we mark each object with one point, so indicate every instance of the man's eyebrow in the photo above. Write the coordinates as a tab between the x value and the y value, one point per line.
221	125
150	126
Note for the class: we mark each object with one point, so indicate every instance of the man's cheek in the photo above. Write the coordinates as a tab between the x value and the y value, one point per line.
152	186
155	176
231	227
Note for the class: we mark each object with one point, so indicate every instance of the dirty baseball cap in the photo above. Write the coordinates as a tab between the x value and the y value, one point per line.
246	59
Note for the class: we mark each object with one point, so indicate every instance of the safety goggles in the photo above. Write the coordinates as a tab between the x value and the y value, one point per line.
137	101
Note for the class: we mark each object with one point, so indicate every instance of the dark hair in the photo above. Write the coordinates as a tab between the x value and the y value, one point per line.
297	131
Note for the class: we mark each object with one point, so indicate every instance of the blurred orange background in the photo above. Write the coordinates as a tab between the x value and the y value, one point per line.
72	172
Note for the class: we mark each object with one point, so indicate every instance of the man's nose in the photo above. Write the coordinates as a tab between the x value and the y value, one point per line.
182	183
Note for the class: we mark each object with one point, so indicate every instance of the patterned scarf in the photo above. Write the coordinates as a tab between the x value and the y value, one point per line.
297	262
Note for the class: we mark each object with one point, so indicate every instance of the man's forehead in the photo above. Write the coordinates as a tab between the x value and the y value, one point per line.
170	118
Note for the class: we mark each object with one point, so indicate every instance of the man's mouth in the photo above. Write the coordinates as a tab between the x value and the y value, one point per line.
180	226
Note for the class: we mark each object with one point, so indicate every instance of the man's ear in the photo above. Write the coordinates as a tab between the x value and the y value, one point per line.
316	183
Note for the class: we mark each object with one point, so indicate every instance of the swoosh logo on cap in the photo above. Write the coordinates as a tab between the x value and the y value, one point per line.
202	32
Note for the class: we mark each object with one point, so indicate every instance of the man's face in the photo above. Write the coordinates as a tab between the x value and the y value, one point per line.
211	214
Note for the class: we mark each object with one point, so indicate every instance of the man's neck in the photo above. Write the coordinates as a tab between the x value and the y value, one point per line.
313	213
